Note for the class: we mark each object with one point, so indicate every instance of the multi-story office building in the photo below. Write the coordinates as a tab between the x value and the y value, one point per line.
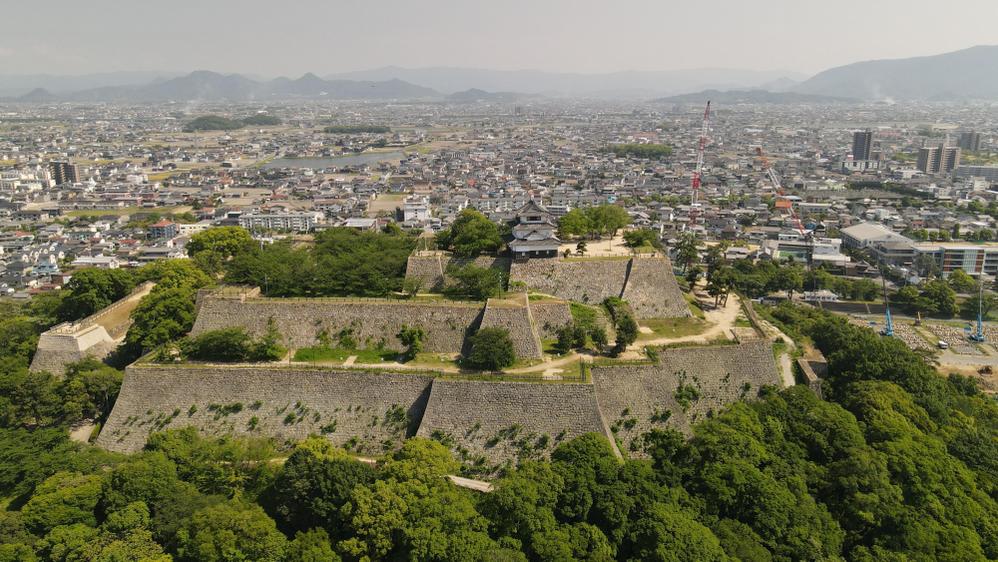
970	140
989	173
862	145
972	258
938	159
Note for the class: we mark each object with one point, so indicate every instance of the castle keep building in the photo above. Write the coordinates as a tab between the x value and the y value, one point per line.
534	234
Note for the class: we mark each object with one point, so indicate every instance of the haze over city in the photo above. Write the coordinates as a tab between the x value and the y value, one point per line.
264	38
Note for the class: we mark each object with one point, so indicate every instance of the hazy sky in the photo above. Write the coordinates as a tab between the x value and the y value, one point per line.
291	37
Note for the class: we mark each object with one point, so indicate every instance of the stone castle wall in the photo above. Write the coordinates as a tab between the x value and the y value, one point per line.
494	422
515	318
95	336
428	268
372	321
485	422
431	267
586	281
56	350
377	321
367	411
646	282
549	316
652	290
637	398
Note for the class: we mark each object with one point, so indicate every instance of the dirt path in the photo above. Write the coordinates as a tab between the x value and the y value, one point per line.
81	433
786	358
476	485
721	321
550	364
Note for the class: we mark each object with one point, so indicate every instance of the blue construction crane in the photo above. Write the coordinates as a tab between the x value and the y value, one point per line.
888	322
979	336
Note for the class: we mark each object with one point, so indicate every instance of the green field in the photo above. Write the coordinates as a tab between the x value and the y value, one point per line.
125	211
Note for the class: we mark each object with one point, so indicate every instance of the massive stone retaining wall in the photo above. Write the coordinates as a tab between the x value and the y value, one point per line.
588	281
489	423
430	267
378	321
647	283
652	290
549	316
372	321
486	422
95	336
514	316
685	385
368	412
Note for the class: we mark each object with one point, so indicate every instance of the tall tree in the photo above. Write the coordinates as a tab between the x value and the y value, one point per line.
686	251
471	235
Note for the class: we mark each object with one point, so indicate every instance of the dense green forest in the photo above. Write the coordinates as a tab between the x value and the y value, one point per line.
219	123
261	120
342	262
355	129
651	151
898	463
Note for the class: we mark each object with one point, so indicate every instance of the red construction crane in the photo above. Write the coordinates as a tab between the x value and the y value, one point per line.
778	187
698	172
774	178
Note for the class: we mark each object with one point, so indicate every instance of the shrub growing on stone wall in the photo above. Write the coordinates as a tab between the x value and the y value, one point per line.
412	339
491	350
232	345
624	323
474	282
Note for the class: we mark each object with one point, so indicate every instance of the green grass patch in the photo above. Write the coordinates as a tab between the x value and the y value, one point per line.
121	211
522	363
550	346
672	327
695	306
433	360
339	354
779	348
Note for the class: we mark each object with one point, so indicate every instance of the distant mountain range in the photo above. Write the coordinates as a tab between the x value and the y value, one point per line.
475	95
731	97
13	85
211	86
629	84
967	74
